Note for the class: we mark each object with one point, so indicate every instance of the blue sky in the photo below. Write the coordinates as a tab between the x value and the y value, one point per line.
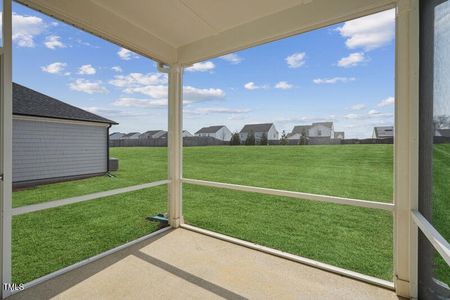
342	73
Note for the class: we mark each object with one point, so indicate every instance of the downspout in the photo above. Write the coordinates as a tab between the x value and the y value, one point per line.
107	148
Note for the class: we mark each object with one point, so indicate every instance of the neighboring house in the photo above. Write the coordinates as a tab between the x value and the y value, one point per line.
259	130
187	133
442	132
131	136
54	141
340	135
219	132
383	132
152	134
316	130
116	135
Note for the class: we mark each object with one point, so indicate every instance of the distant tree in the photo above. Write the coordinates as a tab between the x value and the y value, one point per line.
303	138
235	139
283	139
264	141
250	138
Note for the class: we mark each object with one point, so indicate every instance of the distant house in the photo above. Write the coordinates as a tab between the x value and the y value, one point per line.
340	135
259	130
116	135
219	132
187	133
316	130
152	134
383	132
54	141
131	136
442	132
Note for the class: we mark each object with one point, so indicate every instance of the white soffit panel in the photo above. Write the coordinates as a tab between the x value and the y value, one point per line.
188	31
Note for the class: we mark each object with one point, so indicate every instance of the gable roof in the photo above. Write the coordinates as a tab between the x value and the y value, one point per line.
130	134
384	131
300	128
210	129
151	132
28	102
256	127
443	132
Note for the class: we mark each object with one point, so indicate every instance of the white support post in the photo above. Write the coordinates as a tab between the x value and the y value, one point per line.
175	144
5	145
406	147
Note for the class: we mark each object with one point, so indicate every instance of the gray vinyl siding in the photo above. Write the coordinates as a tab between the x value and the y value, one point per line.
44	150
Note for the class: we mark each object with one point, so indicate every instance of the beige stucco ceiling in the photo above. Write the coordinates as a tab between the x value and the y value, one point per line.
187	31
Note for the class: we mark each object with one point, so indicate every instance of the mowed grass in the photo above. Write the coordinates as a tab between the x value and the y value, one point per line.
353	238
354	171
441	203
137	165
349	237
48	240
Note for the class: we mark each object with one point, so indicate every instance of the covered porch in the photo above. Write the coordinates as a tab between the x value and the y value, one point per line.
205	268
183	261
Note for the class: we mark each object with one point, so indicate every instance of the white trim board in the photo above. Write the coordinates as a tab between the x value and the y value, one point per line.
297	195
58	120
56	203
436	239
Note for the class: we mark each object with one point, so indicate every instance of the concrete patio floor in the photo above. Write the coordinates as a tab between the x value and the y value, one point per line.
181	264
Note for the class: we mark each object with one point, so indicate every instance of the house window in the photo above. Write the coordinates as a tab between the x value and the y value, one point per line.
319	132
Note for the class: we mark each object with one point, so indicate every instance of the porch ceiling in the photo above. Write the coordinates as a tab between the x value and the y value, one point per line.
187	31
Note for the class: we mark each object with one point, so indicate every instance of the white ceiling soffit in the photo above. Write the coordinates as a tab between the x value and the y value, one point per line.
188	31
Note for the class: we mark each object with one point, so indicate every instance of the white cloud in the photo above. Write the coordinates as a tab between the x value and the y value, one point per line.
54	68
190	94
217	110
138	79
25	28
126	54
106	112
386	102
193	94
369	32
358	106
117	69
87	70
53	42
373	112
333	80
89	87
252	86
283	85
296	60
232	58
352	116
201	67
352	60
144	103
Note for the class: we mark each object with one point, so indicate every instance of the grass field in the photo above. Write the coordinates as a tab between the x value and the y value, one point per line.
353	238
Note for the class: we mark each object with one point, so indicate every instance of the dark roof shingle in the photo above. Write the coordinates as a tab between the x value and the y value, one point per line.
257	127
28	102
210	129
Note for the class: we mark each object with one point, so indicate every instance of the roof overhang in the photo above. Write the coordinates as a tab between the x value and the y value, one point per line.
189	31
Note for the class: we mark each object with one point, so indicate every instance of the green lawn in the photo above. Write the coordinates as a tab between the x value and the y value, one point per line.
349	237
